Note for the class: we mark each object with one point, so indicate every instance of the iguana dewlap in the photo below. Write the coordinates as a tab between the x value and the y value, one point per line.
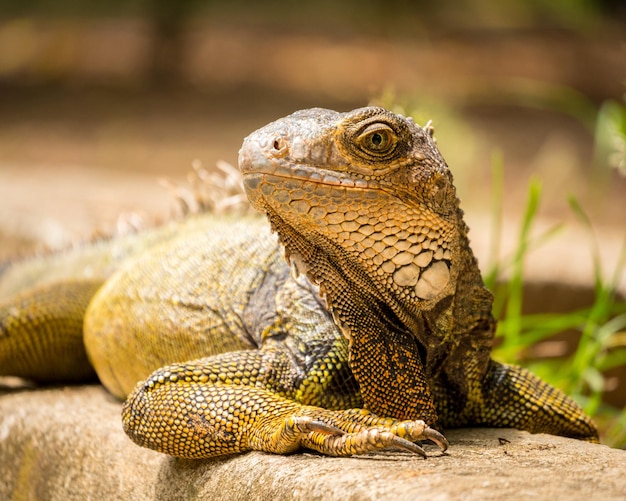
381	327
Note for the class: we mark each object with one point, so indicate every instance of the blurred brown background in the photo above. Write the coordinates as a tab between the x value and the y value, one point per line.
97	100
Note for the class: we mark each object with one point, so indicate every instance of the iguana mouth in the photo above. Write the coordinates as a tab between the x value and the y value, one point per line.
313	175
257	163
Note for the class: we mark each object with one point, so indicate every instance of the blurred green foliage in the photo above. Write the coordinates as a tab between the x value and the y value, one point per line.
598	331
611	135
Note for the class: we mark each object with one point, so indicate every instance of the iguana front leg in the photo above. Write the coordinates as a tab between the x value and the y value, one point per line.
240	401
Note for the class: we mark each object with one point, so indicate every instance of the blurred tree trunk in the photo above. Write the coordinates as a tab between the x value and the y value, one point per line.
167	60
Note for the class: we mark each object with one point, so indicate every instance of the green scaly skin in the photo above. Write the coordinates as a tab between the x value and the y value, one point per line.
381	327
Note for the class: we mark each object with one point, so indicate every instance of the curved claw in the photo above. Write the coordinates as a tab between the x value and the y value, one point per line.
426	434
321	427
405	444
434	436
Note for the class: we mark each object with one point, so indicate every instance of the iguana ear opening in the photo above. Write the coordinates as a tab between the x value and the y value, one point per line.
432	185
442	193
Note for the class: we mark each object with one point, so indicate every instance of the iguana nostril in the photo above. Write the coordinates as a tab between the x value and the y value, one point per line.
279	144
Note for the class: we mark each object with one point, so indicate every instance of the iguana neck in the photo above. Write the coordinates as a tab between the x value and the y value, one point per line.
385	356
407	262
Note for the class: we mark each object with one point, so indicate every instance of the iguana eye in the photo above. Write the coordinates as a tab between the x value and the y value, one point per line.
377	138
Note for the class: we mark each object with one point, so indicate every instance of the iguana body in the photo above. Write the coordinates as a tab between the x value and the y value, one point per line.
388	314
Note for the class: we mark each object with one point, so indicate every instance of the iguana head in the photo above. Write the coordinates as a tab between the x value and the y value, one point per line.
369	185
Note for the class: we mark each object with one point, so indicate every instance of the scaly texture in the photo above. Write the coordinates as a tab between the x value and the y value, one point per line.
381	327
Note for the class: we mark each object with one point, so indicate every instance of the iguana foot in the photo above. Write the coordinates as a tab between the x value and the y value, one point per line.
333	441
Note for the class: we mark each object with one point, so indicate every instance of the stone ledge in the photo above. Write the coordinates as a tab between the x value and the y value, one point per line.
67	444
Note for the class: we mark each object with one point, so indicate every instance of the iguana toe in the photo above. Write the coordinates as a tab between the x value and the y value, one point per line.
402	435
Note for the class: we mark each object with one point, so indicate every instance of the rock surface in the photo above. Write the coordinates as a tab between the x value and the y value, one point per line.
67	444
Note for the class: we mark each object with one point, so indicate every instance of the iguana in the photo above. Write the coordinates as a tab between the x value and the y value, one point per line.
375	329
